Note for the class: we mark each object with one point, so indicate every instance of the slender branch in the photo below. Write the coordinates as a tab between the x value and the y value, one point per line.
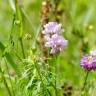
85	81
19	17
6	86
22	47
9	77
56	80
56	61
5	82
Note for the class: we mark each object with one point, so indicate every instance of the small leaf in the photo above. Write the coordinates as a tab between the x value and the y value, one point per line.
11	61
2	47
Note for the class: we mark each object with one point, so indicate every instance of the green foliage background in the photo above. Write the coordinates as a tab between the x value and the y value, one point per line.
79	22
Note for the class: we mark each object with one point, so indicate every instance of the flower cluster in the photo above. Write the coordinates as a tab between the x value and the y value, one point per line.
53	39
88	61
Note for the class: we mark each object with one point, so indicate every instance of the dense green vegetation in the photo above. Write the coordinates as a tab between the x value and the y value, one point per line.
25	70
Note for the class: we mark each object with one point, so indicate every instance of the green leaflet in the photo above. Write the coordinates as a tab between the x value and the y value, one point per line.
9	57
2	47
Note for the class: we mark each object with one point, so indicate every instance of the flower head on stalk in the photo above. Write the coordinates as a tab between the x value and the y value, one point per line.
88	61
52	28
56	43
53	38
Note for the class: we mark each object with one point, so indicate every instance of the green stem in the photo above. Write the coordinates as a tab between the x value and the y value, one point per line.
22	47
7	87
56	81
56	77
17	55
9	77
57	57
19	17
5	82
85	81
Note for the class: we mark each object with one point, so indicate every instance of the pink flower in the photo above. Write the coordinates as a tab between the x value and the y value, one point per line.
88	62
53	39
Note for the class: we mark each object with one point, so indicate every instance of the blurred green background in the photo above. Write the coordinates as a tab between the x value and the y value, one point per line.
78	20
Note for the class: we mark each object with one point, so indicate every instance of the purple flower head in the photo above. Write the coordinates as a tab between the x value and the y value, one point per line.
57	43
88	62
53	39
52	28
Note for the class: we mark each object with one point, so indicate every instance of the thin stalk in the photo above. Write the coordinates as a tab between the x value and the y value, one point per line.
85	81
5	82
56	93
11	39
19	18
9	77
17	55
20	25
22	47
56	80
12	29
